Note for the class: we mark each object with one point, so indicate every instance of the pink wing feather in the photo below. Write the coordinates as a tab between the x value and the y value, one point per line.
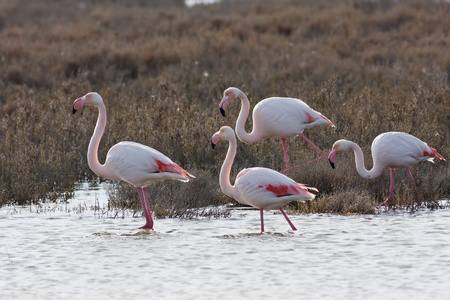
173	168
433	153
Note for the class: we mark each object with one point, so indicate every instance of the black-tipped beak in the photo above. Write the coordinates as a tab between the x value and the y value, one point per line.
74	110
222	111
213	145
331	163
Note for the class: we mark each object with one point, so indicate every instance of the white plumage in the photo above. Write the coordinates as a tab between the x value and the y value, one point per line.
132	162
262	188
389	150
274	117
268	189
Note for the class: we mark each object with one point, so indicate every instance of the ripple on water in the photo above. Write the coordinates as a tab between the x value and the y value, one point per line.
62	253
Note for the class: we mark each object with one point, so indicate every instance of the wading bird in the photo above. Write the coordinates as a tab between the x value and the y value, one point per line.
389	150
274	117
258	187
132	162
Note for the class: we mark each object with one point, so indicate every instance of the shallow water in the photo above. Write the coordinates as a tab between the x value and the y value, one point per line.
73	252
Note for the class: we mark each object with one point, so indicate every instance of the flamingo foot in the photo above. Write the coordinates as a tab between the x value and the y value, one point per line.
147	226
386	201
288	169
316	160
307	163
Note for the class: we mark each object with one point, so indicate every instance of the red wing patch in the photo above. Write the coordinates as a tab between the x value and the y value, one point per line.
310	118
172	168
287	190
282	190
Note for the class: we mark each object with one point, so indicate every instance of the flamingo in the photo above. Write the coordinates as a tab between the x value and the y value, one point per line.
262	188
132	162
389	150
274	117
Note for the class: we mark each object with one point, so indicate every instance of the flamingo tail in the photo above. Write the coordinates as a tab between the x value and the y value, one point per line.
331	123
434	153
173	168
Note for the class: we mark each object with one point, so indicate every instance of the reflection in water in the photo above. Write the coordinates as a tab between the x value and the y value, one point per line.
190	3
64	252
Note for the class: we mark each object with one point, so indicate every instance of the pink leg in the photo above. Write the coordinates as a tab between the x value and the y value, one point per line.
146	207
312	145
287	219
261	212
286	158
412	181
391	189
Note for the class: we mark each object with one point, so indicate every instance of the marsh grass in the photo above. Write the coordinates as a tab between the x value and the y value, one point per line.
369	66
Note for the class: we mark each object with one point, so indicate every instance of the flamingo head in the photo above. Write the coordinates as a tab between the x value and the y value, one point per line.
228	95
338	146
91	98
225	133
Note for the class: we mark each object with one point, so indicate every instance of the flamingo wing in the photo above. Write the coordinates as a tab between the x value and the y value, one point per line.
140	165
269	189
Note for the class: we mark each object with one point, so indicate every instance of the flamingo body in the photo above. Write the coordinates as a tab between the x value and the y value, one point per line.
262	188
400	150
389	150
283	118
268	189
280	117
132	162
141	165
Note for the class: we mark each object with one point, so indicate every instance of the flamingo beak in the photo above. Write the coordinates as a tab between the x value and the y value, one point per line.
332	164
332	158
223	104
78	103
215	138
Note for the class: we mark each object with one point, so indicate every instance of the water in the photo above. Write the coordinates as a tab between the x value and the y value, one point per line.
73	252
190	3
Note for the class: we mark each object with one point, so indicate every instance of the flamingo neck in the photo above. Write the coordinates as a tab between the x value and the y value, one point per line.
225	171
92	155
359	160
251	137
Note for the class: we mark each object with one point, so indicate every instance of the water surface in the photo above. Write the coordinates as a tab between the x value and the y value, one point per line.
73	252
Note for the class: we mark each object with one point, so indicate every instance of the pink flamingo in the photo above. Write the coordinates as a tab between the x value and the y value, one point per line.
274	117
132	162
258	187
389	150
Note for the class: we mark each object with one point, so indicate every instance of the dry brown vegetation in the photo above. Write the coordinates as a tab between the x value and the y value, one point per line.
369	66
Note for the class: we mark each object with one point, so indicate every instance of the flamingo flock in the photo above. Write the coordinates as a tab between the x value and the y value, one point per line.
259	187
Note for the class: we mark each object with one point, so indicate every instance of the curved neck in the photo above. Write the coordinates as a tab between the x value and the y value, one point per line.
242	118
225	171
92	155
359	160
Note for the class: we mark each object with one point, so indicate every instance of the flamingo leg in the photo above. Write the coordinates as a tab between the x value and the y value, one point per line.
286	157
412	181
146	207
312	145
287	219
391	189
261	213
